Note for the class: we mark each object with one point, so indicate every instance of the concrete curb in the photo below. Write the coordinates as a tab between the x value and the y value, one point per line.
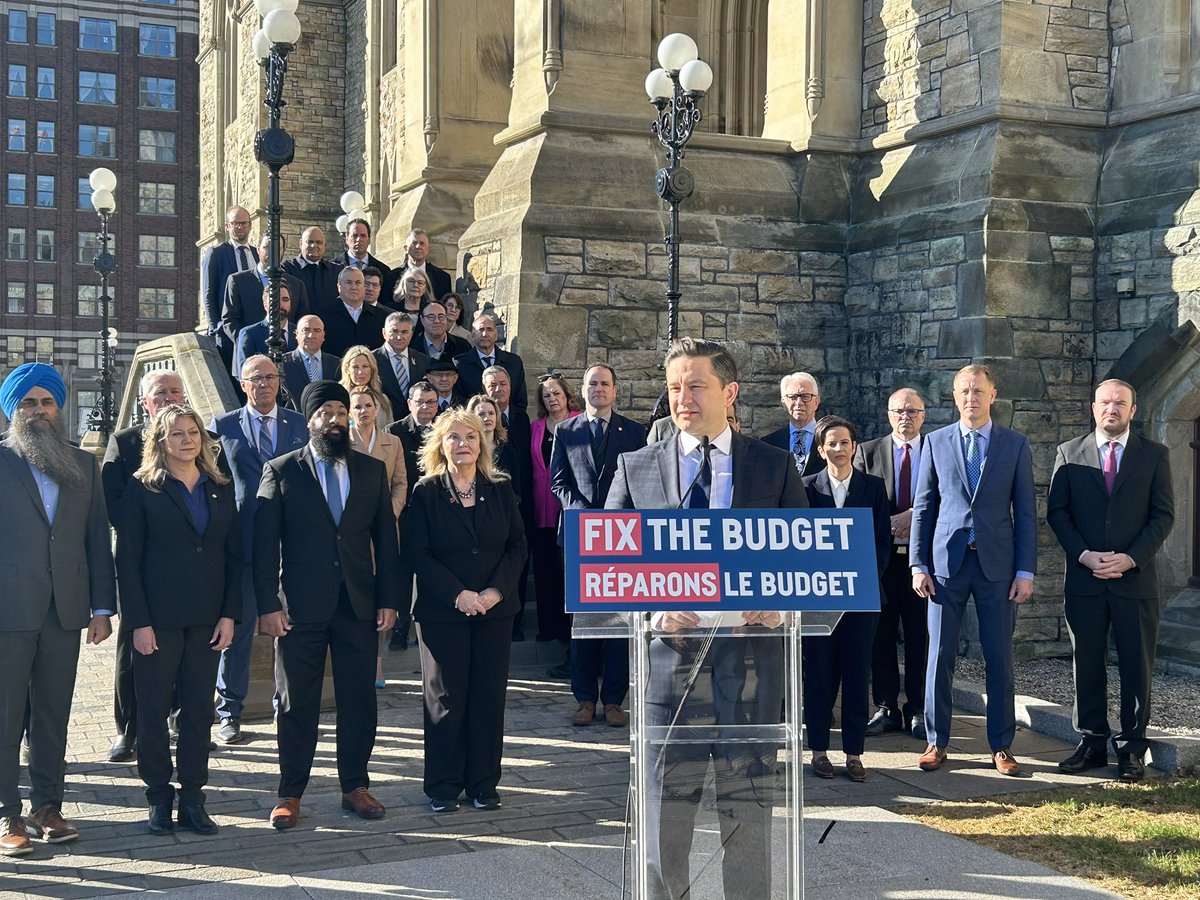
1168	752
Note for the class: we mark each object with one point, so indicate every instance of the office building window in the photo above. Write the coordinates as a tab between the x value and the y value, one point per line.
45	349
46	89
156	198
16	134
45	190
45	245
17	193
87	300
85	401
43	299
156	146
15	247
156	303
88	245
156	40
15	304
18	26
16	351
98	140
85	194
45	137
98	87
47	29
18	81
89	358
156	250
97	34
156	93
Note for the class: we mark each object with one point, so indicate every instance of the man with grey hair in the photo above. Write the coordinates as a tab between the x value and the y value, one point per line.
416	249
57	538
800	396
485	353
158	389
348	320
400	366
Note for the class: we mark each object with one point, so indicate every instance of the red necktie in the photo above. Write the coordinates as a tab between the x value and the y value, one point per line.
1110	467
904	494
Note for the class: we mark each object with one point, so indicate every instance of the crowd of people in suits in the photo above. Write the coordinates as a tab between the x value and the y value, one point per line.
404	485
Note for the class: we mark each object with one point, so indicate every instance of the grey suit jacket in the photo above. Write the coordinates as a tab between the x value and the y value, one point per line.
70	562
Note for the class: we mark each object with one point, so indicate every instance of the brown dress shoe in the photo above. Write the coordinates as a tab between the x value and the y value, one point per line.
49	825
363	804
855	770
615	717
822	767
933	757
286	813
13	839
585	715
1006	763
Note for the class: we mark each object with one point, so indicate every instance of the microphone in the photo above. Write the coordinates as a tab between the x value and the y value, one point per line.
705	462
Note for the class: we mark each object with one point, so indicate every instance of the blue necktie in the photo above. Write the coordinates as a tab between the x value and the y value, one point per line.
266	447
311	367
800	450
974	470
333	491
597	438
702	489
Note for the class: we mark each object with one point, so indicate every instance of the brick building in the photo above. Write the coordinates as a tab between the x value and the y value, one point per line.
92	83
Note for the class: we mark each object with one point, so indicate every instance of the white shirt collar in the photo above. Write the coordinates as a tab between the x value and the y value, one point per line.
1102	439
722	442
416	268
845	483
255	414
898	442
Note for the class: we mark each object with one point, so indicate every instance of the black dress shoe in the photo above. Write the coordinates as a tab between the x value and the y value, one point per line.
124	748
160	819
193	816
1130	768
883	721
918	728
1082	759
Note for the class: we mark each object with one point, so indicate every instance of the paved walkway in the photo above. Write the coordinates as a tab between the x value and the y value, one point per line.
559	834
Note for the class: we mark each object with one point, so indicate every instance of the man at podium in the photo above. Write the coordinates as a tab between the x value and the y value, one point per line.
707	679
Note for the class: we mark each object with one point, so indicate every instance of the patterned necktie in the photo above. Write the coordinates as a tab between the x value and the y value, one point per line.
1110	467
312	368
266	446
904	491
243	259
597	438
974	469
702	489
487	362
800	450
333	491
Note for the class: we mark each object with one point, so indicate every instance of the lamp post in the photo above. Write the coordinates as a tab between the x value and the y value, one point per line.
676	90
274	147
103	415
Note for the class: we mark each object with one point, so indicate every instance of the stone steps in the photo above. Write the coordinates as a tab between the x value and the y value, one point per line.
1179	630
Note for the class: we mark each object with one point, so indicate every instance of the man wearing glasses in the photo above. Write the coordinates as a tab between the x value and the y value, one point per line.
800	396
221	261
896	458
436	340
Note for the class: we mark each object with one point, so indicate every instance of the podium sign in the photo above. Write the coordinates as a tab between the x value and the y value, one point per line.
812	560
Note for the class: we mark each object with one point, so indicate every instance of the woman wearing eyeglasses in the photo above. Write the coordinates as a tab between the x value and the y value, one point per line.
556	403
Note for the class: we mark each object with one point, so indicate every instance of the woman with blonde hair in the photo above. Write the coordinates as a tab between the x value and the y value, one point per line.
466	542
412	292
369	437
180	606
495	435
360	368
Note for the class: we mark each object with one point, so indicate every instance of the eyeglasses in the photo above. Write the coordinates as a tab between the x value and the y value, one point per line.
245	222
262	379
906	413
431	317
424	402
803	398
542	379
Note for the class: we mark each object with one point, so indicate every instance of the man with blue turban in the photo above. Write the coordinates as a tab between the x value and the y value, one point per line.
60	580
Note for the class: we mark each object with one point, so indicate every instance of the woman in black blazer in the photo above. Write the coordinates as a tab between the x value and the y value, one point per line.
843	659
179	561
465	540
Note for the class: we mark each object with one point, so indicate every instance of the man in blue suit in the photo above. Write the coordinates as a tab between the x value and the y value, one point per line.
800	396
250	436
219	262
974	534
252	340
582	466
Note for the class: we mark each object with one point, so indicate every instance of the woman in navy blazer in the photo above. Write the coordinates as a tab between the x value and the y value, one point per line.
179	561
465	539
843	659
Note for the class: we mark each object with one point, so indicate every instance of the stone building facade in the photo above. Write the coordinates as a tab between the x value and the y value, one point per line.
887	189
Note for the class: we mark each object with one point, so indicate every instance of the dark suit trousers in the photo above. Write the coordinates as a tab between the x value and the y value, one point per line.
1134	625
39	671
840	660
184	662
464	667
997	619
553	621
593	657
902	607
678	772
124	694
299	670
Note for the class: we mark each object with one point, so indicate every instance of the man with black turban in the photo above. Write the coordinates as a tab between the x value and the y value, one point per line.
326	566
60	580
